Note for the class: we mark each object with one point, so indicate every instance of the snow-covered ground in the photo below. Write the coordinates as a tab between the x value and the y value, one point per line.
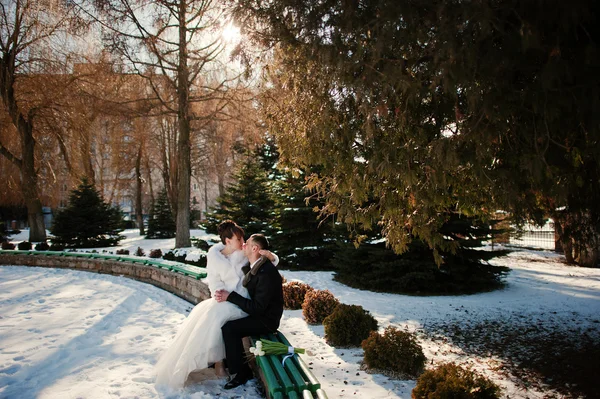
72	334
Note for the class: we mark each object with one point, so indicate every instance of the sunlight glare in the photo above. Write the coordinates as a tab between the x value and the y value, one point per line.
231	33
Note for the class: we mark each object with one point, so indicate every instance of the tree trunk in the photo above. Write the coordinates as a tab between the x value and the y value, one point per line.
86	156
149	173
588	252
221	184
26	165
182	234
589	257
139	214
37	230
205	198
561	228
568	250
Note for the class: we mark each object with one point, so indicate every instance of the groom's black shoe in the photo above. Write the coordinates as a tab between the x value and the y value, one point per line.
239	379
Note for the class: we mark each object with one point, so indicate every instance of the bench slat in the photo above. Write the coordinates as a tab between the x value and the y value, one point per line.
290	366
304	384
313	383
306	394
321	394
274	387
288	386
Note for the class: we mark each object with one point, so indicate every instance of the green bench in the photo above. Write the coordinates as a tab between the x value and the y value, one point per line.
120	258
292	379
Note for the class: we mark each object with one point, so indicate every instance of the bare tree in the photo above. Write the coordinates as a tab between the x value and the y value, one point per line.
177	47
214	153
29	31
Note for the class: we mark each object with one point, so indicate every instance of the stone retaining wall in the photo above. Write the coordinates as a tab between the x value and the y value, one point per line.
185	287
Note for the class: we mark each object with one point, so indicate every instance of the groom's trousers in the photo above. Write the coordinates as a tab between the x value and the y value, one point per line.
233	333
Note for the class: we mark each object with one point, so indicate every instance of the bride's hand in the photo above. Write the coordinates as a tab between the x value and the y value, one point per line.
221	295
268	254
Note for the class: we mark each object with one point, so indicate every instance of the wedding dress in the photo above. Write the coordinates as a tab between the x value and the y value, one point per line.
199	342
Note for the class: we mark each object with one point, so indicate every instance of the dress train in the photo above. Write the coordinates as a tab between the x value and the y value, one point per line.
198	344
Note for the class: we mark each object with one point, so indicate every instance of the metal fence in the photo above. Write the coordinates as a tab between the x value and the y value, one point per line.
534	236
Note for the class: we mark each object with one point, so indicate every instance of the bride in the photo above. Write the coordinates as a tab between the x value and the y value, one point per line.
199	342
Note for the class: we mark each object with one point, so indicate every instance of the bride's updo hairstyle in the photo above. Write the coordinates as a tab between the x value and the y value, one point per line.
228	229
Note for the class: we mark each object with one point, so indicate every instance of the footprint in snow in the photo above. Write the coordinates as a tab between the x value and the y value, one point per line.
10	370
142	379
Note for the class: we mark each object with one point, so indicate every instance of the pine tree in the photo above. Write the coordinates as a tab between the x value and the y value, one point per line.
161	223
303	240
2	232
424	105
248	200
87	221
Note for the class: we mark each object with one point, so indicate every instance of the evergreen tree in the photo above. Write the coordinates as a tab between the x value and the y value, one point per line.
2	232
465	269
419	106
161	223
87	221
303	240
248	200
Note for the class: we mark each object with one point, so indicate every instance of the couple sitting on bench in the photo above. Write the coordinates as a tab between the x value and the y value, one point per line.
247	300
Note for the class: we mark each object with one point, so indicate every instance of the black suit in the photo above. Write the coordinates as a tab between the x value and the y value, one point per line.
264	309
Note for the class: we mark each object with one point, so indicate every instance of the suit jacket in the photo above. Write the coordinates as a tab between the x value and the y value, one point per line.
266	296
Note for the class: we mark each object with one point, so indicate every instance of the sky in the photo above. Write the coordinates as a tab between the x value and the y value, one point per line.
75	334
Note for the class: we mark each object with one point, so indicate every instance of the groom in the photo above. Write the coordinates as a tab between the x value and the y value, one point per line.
264	308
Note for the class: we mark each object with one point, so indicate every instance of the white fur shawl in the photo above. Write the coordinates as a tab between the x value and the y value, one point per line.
225	272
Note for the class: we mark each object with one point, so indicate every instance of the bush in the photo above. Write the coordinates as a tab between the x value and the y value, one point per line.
348	325
171	255
317	305
293	294
7	245
202	244
42	246
452	381
57	247
122	252
395	352
139	252
155	253
181	258
24	246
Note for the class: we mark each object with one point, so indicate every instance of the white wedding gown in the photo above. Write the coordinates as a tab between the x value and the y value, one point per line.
199	342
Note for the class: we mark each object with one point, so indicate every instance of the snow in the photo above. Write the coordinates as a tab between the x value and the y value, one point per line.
72	334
